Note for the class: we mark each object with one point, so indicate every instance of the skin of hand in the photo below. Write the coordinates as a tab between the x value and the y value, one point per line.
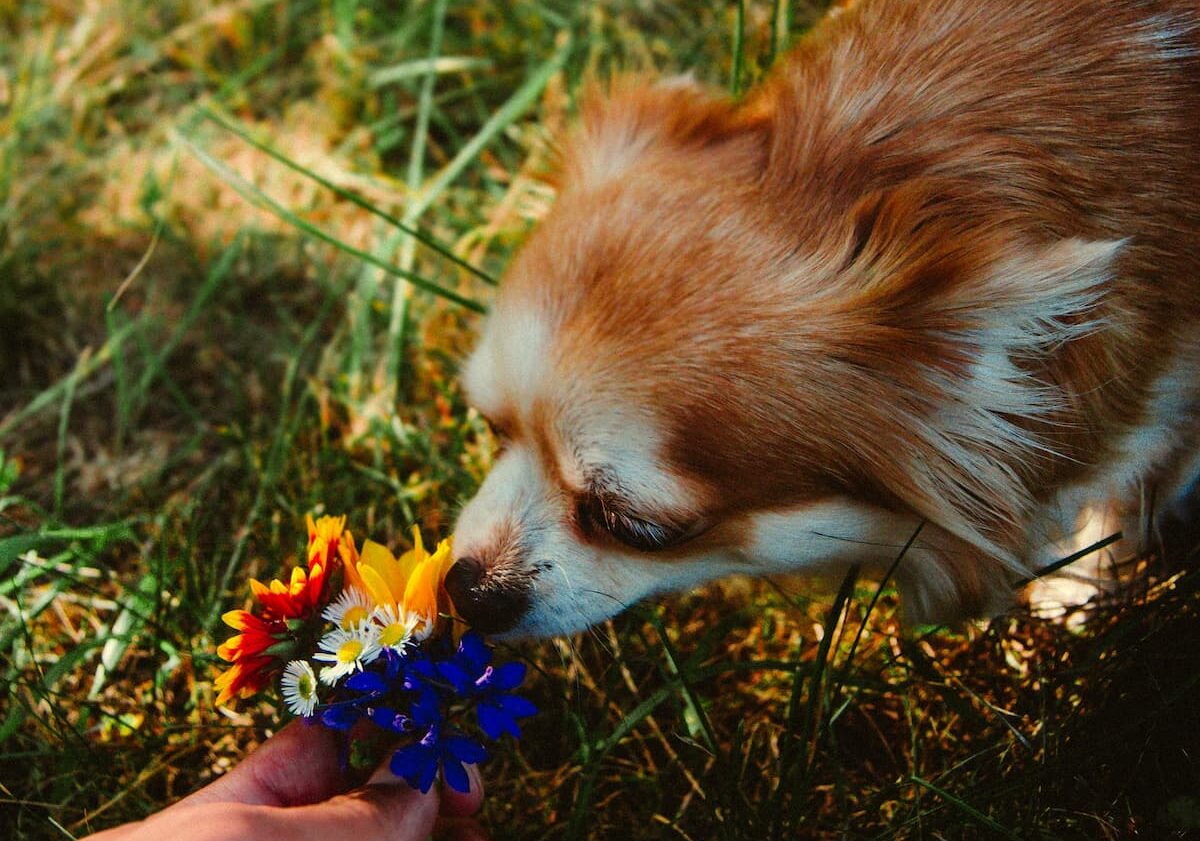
291	789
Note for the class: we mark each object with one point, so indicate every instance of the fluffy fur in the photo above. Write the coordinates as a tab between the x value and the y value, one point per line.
942	267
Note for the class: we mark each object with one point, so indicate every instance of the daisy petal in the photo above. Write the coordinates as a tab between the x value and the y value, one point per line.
239	620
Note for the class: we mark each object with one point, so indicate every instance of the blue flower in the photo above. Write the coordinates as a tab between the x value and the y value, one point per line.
417	764
471	674
342	716
371	687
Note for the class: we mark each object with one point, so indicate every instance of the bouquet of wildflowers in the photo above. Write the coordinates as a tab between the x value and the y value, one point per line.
361	636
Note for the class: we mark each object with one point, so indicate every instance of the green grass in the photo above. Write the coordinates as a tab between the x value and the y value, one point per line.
243	248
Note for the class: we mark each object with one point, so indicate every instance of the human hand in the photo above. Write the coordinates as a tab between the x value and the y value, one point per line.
291	789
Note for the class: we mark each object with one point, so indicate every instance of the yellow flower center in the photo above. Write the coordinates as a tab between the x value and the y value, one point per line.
353	616
349	651
305	687
393	633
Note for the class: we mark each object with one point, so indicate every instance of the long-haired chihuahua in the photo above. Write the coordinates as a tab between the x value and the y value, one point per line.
941	268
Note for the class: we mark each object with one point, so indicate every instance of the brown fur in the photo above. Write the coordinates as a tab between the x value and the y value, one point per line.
803	286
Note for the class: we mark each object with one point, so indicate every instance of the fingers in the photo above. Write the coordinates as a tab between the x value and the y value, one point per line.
295	767
463	804
117	833
298	766
381	811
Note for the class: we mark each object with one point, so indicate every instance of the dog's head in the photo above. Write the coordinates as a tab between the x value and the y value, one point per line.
696	369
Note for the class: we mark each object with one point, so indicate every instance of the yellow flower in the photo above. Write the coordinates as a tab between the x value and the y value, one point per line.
409	584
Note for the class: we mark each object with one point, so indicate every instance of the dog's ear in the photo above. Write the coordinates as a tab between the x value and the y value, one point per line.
632	117
973	323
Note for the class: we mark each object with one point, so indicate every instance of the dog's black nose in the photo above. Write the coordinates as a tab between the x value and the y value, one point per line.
488	605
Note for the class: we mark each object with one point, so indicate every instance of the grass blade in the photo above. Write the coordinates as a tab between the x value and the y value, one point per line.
276	457
787	759
64	423
1049	569
123	631
690	699
887	576
258	198
433	66
87	365
739	48
341	192
398	317
967	809
156	362
508	113
781	28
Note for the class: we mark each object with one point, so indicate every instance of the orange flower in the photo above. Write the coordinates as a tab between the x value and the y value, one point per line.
243	679
258	651
328	541
298	599
250	653
328	544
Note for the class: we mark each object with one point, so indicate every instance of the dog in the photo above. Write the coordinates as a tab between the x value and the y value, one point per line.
939	275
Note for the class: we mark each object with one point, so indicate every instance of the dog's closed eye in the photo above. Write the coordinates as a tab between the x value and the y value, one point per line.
600	515
502	430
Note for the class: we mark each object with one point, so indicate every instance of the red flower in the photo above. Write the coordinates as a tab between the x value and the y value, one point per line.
250	653
301	598
257	653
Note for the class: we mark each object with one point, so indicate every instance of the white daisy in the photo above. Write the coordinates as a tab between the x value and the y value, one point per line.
397	628
348	650
350	609
299	685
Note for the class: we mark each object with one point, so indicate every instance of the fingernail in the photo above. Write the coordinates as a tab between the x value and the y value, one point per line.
475	777
383	776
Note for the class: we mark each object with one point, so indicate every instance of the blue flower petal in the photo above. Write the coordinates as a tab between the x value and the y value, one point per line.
389	719
341	717
428	775
515	705
394	662
382	715
455	676
366	682
411	763
464	749
475	650
455	774
425	709
495	722
508	676
417	672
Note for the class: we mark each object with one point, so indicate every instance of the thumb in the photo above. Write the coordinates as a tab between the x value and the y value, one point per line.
386	809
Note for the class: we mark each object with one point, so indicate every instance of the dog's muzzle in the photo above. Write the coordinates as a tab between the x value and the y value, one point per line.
488	605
